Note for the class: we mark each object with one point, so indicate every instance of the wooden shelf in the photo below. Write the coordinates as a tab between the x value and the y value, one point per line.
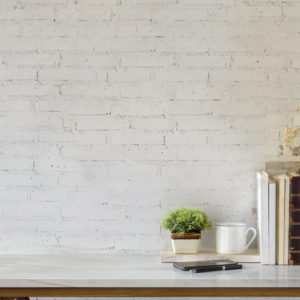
251	256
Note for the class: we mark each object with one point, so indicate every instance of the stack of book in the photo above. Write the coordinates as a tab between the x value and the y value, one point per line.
278	204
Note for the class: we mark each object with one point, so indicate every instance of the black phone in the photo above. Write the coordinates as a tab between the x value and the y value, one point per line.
208	265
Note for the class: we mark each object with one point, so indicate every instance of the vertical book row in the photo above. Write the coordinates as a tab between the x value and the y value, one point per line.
278	204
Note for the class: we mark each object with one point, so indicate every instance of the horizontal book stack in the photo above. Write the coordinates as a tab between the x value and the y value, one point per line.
278	204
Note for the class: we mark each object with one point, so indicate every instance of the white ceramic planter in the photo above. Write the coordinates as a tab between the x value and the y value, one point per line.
186	245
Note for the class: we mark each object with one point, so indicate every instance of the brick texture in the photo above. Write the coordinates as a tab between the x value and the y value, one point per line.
113	112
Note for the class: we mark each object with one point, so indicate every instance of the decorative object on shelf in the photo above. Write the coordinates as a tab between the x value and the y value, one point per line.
231	237
186	225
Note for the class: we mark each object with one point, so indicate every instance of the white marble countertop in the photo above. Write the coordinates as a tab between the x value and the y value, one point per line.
131	271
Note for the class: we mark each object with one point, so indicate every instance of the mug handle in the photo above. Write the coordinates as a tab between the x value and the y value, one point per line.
252	239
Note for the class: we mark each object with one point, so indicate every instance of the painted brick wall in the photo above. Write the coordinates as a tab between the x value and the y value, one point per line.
113	112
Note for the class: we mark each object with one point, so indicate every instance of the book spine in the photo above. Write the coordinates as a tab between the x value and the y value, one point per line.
272	223
280	220
286	221
294	221
264	215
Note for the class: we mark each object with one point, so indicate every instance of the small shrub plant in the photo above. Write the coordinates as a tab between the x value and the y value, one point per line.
186	220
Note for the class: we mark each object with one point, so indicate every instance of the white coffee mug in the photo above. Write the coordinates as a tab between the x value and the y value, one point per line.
231	238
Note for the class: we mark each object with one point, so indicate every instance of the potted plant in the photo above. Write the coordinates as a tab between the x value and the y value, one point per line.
186	225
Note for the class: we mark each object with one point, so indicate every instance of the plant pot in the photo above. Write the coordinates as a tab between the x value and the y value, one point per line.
187	243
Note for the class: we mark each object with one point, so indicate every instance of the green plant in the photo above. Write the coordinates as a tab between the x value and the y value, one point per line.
186	220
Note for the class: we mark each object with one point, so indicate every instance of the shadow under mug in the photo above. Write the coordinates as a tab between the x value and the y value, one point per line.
231	237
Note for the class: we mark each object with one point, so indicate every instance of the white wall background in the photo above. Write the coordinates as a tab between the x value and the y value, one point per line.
113	112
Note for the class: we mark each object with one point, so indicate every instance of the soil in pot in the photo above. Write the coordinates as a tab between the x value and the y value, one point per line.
186	236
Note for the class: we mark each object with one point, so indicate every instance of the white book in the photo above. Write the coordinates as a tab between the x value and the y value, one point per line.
272	222
263	215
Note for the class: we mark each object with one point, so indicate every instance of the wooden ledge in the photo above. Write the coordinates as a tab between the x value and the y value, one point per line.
150	292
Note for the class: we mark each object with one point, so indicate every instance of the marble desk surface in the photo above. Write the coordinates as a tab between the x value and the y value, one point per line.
131	271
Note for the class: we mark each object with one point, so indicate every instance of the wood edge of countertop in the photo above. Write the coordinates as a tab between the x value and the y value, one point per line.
151	292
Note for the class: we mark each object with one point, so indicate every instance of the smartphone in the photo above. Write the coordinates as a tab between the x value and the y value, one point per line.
207	265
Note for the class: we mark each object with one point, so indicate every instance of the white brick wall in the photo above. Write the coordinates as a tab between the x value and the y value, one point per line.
113	112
